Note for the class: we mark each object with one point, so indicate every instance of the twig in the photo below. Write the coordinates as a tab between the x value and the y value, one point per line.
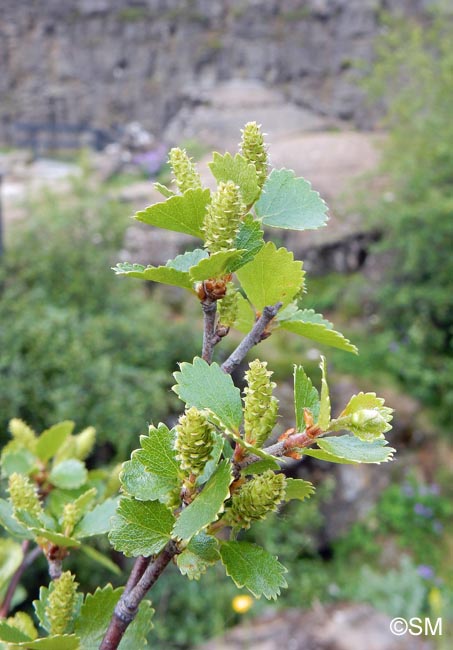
127	606
141	563
209	308
256	334
27	560
284	447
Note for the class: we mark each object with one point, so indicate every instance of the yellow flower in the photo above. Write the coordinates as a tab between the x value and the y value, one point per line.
242	604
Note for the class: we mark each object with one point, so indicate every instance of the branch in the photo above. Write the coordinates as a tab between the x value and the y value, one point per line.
141	563
127	606
209	308
256	334
27	560
284	447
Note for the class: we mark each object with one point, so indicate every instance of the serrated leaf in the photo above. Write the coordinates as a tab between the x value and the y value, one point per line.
296	488
313	326
185	261
97	521
157	454
249	239
142	485
11	556
240	171
252	567
272	276
215	265
56	538
20	461
207	505
201	553
50	441
260	466
305	397
246	316
350	450
208	387
162	274
55	642
11	634
289	202
162	189
10	523
365	416
179	213
69	474
95	616
324	406
140	527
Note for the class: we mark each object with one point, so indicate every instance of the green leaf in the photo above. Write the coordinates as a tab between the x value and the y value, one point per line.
162	274
313	326
305	397
69	474
10	523
20	461
216	265
206	507
11	634
260	466
289	202
296	488
162	189
11	556
142	485
213	461
157	454
252	567
208	387
97	521
248	239
179	213
272	276
185	261
246	316
50	441
366	416
95	616
349	450
140	527
102	559
56	642
201	552
324	407
240	171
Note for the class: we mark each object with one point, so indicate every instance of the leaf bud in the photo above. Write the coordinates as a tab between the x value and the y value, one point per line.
254	150
260	407
60	603
23	494
194	441
184	171
223	217
256	499
228	306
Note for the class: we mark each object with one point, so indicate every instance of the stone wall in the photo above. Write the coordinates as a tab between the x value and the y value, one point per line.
106	62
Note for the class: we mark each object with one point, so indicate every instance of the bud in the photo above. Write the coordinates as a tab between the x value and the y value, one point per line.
256	499
369	424
71	515
194	441
260	408
22	433
228	306
254	149
223	217
84	443
24	623
23	494
60	603
184	171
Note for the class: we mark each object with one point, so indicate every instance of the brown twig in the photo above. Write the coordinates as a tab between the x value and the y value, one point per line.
209	308
255	336
27	560
127	606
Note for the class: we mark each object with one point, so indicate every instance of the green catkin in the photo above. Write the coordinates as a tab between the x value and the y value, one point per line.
254	149
84	442
184	171
223	217
71	515
194	441
227	308
60	603
23	494
260	407
256	499
22	434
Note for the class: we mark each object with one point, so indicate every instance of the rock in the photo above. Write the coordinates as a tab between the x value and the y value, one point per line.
339	627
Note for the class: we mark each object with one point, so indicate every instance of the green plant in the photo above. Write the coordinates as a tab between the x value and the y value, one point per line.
190	492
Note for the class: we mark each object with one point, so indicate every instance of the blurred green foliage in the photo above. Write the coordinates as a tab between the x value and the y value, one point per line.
414	74
76	342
